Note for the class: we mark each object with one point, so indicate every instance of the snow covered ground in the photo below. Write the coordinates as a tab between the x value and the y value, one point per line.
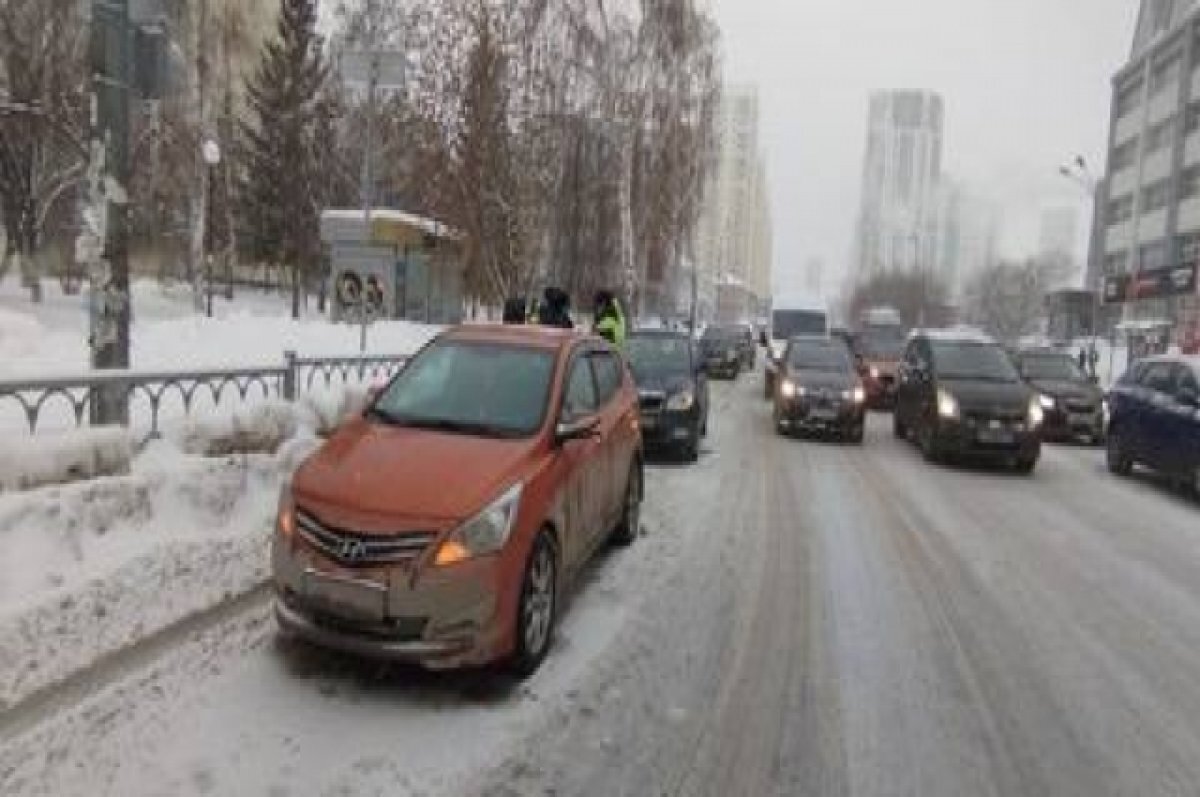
103	544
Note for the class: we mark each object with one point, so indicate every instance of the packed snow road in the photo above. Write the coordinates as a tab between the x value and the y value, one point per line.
799	618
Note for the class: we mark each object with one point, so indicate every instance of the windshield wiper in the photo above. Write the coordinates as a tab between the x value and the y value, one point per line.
377	413
459	427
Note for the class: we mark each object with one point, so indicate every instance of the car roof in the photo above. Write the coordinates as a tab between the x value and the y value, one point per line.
959	334
528	335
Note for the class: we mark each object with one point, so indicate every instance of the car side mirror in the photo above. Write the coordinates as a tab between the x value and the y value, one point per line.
1188	397
577	429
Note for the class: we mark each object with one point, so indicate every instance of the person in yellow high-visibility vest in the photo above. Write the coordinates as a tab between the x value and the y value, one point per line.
610	321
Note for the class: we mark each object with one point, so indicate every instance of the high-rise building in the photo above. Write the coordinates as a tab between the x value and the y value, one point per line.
734	239
967	234
1151	196
901	202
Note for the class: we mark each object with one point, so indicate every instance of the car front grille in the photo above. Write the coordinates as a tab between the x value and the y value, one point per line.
1081	407
651	402
355	549
983	417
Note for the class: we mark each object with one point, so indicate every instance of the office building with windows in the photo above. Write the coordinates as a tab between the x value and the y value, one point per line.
1151	218
902	200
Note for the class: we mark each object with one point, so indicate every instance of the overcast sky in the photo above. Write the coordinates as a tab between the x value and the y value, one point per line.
1026	85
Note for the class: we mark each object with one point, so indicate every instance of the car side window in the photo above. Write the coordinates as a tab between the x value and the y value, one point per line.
1157	377
608	376
580	398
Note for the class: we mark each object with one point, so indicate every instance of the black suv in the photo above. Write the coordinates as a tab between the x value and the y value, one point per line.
672	390
1074	405
817	389
960	394
723	349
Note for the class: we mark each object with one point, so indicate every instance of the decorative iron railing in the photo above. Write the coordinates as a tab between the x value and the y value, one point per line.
151	391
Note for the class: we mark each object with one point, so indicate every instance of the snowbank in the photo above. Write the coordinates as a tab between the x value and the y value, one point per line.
260	429
62	458
87	569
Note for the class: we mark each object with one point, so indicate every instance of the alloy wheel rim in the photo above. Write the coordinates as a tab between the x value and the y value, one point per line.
539	601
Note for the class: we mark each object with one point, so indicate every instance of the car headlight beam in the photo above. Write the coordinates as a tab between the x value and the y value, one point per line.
1036	414
947	405
681	401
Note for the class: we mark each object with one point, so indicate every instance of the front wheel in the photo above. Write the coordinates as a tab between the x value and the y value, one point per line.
536	608
631	513
1026	467
898	428
1119	461
929	446
857	435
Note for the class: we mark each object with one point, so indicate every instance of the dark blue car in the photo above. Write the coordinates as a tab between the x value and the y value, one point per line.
1155	419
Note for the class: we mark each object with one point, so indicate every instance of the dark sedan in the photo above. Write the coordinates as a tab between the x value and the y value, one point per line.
817	389
1074	405
1156	420
672	388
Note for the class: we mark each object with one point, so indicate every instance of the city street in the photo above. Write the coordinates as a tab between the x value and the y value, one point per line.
798	618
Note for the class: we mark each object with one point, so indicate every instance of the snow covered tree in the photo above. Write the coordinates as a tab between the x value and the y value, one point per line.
281	194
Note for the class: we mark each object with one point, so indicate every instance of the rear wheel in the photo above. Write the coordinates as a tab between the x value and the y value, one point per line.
536	608
777	420
1025	466
691	449
1119	461
631	513
857	434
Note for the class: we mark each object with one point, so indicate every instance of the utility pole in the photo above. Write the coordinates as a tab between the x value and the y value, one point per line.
374	66
106	243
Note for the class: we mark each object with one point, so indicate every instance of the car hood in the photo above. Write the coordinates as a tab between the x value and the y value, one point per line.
822	380
1066	388
372	470
982	395
665	382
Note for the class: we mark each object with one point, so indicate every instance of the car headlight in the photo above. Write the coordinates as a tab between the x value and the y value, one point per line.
681	401
790	389
484	534
1047	402
1036	413
1104	408
857	394
874	372
947	404
285	517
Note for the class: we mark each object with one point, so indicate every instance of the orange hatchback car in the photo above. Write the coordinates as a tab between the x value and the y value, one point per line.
443	525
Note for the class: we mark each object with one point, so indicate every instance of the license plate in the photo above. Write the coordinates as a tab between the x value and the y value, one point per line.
346	597
1080	419
996	436
823	414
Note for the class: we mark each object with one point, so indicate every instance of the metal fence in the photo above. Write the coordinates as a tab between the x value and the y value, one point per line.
289	381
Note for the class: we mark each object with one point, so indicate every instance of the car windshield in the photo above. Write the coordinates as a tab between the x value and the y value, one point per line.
1056	366
971	360
649	355
831	357
471	388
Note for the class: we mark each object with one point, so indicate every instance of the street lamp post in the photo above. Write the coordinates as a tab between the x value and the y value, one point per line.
210	150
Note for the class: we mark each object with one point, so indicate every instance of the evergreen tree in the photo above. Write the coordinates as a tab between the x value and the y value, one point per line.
282	196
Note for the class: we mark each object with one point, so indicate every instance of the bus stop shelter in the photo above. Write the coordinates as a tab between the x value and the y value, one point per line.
399	266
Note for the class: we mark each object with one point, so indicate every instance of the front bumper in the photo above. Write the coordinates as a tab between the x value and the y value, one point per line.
665	429
968	437
1062	423
821	415
436	618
